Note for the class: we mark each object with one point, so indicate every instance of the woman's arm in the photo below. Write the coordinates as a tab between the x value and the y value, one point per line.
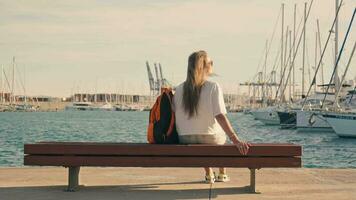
226	126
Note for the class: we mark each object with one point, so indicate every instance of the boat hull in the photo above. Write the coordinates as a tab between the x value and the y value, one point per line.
287	119
312	121
266	116
344	125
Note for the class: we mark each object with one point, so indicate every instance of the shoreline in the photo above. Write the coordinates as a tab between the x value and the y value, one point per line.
175	183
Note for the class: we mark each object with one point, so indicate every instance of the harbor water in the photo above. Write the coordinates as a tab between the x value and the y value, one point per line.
320	149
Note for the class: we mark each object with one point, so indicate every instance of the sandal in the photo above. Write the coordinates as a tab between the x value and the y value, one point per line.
222	178
210	179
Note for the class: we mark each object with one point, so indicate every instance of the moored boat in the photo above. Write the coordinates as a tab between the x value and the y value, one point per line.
344	124
80	106
267	115
287	119
312	120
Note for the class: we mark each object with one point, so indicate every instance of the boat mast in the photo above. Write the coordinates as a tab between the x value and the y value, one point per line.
298	43
96	91
294	38
282	57
315	57
336	103
320	61
322	64
2	84
338	57
336	76
290	63
13	99
303	63
285	56
264	84
24	84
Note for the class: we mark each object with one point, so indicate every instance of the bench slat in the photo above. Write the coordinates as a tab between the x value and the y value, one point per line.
124	149
127	161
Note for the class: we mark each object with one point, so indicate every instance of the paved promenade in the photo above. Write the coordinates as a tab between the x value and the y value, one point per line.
175	183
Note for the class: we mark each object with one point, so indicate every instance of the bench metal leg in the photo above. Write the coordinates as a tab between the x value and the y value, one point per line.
253	180
73	179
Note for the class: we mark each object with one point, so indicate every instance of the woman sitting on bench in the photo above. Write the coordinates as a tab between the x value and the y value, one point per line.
200	111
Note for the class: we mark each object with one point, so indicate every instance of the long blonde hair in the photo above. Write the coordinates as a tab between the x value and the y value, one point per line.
197	63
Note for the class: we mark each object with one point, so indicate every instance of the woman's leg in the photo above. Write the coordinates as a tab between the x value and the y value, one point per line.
208	171
222	170
221	140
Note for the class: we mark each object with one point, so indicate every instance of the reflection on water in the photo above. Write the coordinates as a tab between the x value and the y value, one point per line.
319	149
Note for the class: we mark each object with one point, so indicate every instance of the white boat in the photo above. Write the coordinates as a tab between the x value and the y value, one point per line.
268	115
121	107
344	124
312	120
135	108
25	108
247	110
82	106
5	108
104	107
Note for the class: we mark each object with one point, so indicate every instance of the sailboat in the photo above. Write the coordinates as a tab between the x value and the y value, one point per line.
344	122
281	114
267	115
106	106
314	118
80	106
14	105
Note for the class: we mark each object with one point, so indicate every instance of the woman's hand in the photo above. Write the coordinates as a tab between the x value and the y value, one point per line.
226	126
242	147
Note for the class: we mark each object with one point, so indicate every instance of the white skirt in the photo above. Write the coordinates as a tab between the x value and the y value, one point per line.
219	139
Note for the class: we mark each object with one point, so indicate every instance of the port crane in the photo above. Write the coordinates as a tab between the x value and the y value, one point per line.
156	85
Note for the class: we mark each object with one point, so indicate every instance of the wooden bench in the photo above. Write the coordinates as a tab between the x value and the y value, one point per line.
76	154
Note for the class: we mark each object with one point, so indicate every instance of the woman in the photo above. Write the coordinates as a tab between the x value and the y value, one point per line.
200	111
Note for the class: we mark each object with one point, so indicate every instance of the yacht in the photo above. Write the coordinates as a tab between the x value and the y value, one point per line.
104	107
311	117
81	106
25	108
121	107
267	115
343	123
288	117
135	108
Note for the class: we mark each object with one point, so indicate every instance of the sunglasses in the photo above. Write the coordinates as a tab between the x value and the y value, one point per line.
211	63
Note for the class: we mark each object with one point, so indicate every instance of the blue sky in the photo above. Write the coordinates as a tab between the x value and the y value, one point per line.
87	45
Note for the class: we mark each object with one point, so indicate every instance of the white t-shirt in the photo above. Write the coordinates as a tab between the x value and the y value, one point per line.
211	103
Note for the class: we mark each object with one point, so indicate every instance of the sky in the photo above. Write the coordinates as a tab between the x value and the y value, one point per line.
67	46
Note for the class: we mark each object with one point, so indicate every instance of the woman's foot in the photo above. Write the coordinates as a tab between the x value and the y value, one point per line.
222	178
210	179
